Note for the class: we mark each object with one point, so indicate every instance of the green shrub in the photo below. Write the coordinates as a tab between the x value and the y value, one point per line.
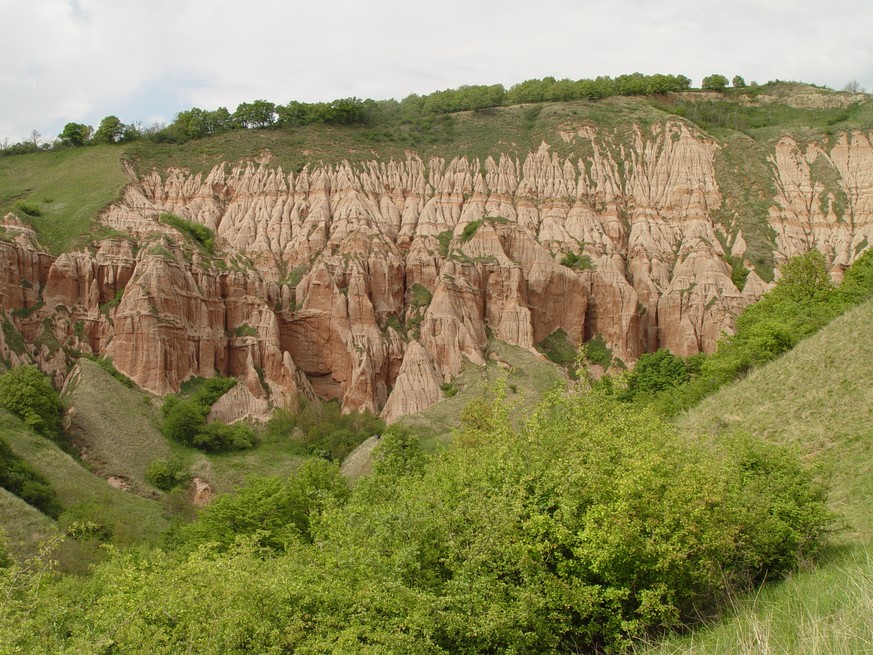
13	337
185	418
277	512
577	261
597	352
87	520
558	349
445	240
219	437
167	474
327	432
421	296
211	389
201	234
654	373
28	208
449	389
245	330
29	394
470	230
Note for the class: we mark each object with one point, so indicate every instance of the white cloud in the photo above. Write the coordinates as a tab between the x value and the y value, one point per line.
79	60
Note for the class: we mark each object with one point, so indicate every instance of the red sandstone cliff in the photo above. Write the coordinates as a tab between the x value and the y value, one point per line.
369	284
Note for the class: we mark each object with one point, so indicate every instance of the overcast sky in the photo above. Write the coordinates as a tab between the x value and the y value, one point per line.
145	60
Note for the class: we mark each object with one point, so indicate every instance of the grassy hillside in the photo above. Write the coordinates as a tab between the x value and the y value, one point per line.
24	527
117	428
819	399
61	192
122	517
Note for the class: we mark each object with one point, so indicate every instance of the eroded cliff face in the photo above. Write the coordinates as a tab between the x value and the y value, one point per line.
373	284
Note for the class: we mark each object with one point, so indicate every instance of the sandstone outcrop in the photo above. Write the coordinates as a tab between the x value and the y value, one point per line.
374	283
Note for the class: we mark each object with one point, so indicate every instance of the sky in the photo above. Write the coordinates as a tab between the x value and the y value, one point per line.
145	60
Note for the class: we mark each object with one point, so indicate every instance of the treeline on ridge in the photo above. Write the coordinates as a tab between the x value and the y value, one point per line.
196	123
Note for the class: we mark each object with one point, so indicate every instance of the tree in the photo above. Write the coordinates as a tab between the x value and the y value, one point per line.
853	87
110	130
259	113
714	82
654	373
738	82
27	392
75	134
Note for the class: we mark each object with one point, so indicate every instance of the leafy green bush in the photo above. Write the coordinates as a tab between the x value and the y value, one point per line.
597	352
470	230
211	389
558	349
167	474
245	330
219	437
654	373
327	432
201	234
449	389
714	82
421	296
278	512
577	261
185	419
29	394
28	208
445	239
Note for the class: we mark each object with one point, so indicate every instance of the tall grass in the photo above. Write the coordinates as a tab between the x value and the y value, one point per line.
828	611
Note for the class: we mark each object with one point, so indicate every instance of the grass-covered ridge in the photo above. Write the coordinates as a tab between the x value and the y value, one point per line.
816	399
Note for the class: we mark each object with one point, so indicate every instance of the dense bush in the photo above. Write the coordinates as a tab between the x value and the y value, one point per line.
654	373
325	430
276	512
167	474
594	525
219	437
29	394
185	419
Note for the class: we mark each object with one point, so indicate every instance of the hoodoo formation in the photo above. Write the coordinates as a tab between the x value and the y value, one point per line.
373	283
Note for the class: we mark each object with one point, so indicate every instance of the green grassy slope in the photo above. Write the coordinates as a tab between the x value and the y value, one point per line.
130	518
23	526
66	188
819	399
117	427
